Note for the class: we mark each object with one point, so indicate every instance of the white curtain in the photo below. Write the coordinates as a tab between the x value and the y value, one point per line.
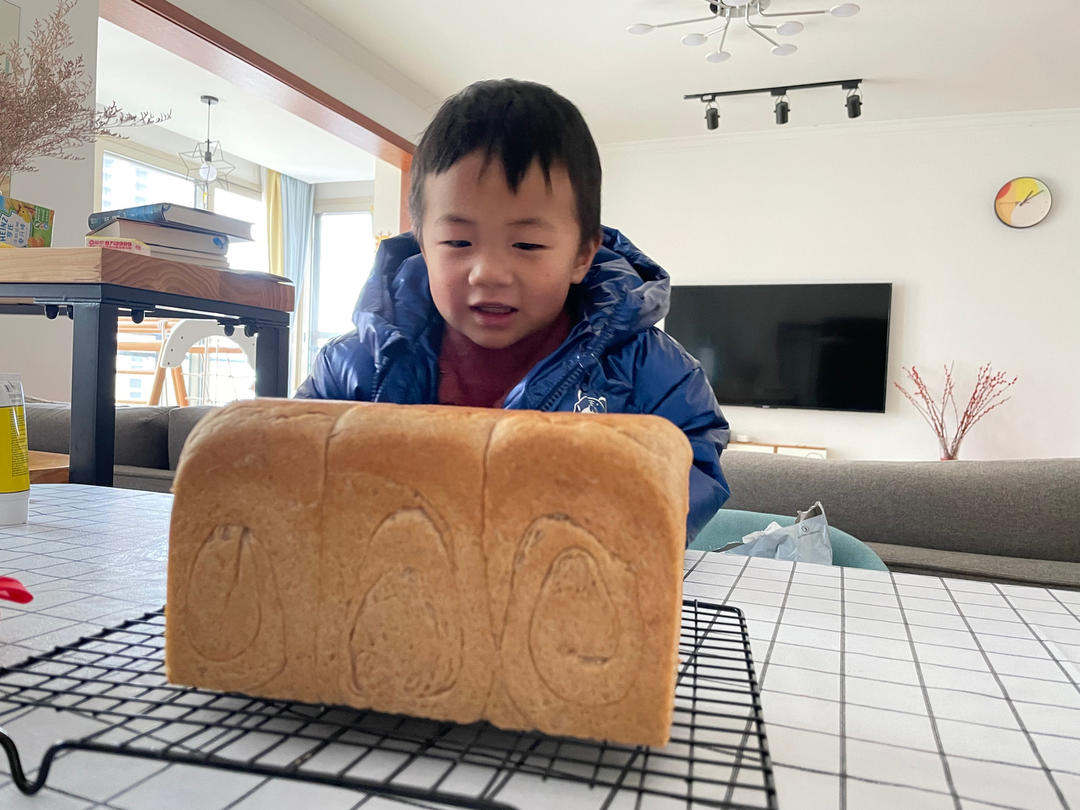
297	218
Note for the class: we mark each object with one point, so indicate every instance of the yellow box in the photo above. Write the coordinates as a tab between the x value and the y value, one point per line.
24	224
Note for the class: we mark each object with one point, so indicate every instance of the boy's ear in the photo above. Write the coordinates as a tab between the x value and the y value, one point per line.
584	259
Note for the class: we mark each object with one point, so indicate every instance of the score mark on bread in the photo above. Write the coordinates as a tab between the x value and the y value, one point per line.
454	563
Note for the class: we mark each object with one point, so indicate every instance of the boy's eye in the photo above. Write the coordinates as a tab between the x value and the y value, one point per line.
528	246
455	243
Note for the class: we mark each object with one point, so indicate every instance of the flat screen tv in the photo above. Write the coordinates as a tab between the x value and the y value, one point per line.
822	346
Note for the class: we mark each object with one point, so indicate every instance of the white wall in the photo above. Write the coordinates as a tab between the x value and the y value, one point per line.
910	203
39	349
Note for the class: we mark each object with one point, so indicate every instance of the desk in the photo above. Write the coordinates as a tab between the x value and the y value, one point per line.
879	690
94	286
48	468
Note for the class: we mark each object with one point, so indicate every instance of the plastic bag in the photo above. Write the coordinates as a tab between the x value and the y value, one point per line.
806	540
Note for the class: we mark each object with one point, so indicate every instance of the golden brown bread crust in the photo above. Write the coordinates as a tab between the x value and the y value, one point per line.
454	563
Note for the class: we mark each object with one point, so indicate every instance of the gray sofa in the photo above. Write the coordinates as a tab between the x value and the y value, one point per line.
1009	521
148	439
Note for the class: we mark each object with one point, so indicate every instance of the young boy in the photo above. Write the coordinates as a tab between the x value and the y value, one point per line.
510	294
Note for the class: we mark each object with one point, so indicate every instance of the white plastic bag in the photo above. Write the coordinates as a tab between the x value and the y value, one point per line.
806	540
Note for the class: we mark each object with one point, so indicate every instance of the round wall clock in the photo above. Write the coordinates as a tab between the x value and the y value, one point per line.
1022	202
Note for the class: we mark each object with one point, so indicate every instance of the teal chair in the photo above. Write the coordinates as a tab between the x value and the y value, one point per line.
731	525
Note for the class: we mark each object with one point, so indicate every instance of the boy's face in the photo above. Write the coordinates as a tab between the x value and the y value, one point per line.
500	264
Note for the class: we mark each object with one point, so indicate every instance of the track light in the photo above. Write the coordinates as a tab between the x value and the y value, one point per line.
782	109
854	105
712	115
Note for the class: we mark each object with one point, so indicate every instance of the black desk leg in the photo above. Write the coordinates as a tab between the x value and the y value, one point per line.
272	361
93	394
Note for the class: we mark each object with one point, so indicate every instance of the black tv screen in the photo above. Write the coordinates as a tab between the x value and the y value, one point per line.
821	346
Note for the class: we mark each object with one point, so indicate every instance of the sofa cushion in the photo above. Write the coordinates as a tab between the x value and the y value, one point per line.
48	426
732	525
181	422
142	432
1020	570
1016	508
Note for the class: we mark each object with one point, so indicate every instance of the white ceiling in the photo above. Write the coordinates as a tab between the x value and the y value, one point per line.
920	58
141	76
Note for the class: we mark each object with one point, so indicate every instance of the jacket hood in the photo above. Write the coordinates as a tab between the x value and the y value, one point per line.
624	292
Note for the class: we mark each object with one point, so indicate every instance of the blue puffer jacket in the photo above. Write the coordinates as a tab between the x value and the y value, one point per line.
614	358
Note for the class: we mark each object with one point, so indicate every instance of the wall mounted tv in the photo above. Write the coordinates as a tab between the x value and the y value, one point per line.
822	346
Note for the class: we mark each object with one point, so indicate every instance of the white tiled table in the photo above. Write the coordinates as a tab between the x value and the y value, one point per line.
879	690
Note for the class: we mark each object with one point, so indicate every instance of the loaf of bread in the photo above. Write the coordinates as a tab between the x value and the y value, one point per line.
454	563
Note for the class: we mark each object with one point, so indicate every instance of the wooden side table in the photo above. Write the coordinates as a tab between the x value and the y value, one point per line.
48	468
93	286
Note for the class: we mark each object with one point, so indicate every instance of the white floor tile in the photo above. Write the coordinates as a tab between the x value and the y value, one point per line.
894	797
795	681
884	695
891	728
971	707
45	799
99	776
181	787
806	790
985	742
286	793
902	766
808	749
1000	784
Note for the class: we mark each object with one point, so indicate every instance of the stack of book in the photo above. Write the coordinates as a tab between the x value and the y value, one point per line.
168	231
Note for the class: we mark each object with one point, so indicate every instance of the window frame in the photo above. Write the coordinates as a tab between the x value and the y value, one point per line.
331	207
162	161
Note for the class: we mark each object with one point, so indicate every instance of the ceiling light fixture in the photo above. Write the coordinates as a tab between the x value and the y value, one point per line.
724	11
712	115
853	103
782	109
205	163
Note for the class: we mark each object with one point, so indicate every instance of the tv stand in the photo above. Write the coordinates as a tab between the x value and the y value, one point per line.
807	451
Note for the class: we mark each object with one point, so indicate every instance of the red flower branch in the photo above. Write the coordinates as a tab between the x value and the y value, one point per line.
989	393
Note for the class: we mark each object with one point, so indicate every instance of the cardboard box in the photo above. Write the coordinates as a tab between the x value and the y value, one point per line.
24	224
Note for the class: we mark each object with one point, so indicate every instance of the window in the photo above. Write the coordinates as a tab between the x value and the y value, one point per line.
254	255
127	182
344	251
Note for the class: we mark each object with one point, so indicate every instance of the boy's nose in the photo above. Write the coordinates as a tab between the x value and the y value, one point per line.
490	271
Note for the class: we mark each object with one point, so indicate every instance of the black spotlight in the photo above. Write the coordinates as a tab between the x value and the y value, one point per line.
782	110
854	106
712	117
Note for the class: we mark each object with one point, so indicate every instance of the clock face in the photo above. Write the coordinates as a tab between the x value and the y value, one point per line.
1022	202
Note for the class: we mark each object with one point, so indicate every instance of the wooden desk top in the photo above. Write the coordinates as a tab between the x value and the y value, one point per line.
91	265
48	468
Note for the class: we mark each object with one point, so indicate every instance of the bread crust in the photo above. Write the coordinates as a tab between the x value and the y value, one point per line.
462	564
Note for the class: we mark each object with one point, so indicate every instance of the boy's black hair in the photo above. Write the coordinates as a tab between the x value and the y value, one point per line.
518	122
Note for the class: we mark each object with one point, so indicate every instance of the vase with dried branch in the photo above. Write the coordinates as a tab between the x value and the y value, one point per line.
988	394
47	105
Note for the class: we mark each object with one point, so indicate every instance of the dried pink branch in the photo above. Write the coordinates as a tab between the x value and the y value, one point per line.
988	394
46	100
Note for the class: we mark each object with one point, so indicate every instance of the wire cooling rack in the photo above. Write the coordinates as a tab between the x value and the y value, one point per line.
718	755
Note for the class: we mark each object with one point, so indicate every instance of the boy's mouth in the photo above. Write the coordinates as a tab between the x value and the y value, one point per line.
493	309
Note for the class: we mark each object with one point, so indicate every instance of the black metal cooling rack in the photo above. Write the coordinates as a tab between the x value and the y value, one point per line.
718	755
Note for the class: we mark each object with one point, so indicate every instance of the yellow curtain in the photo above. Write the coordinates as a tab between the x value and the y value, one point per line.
274	231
